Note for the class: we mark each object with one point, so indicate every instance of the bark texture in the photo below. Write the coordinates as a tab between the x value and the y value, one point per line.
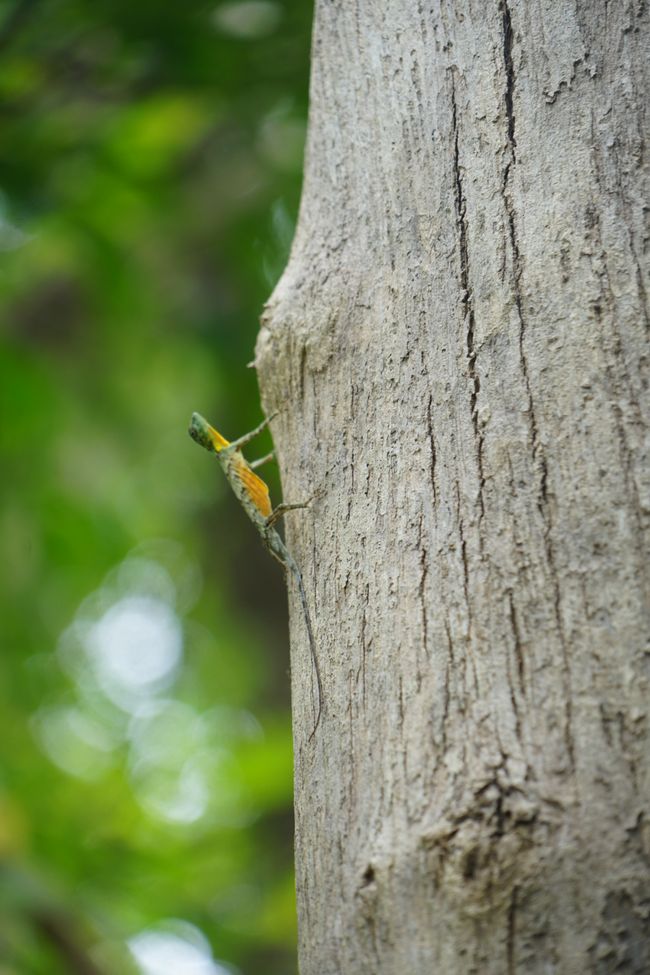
460	339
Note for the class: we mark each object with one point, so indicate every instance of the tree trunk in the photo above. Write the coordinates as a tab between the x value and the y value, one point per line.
459	341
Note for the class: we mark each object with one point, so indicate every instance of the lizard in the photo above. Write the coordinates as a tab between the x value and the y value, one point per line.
253	495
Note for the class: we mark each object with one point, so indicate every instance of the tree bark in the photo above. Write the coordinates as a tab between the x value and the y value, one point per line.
459	338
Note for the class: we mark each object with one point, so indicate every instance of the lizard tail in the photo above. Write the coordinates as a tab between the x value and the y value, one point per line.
312	643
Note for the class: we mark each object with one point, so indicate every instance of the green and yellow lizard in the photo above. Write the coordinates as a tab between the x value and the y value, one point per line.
253	494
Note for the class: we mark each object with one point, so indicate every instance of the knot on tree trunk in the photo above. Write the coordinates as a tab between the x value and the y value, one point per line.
489	846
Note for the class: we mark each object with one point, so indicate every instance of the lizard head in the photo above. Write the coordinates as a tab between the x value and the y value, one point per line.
205	435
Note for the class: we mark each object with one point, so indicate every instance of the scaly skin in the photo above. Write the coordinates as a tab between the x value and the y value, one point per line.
253	494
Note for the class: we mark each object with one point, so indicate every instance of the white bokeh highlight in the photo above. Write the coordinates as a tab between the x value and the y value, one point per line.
177	948
135	649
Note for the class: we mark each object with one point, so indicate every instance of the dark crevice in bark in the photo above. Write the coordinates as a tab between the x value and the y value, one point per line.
467	302
543	485
368	876
545	514
510	76
519	655
515	710
519	660
463	554
365	647
424	570
516	263
302	371
432	445
468	659
510	214
517	270
450	669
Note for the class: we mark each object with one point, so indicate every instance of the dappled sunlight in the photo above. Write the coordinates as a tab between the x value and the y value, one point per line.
135	649
126	641
171	794
74	741
182	764
11	236
176	948
124	653
165	766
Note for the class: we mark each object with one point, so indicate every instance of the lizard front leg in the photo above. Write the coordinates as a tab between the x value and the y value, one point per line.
282	509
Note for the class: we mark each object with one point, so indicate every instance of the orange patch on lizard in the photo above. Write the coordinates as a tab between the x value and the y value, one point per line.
256	489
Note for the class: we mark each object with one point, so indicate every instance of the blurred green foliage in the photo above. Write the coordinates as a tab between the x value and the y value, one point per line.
150	161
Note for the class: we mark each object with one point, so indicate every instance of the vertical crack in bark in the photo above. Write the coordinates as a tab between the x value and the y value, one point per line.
557	610
432	445
510	213
364	650
302	368
469	659
463	554
538	458
510	76
451	665
424	571
519	656
519	661
468	304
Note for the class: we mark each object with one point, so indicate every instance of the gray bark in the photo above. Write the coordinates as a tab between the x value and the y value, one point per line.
459	338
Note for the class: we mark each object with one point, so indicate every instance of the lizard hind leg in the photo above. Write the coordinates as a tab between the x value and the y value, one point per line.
262	460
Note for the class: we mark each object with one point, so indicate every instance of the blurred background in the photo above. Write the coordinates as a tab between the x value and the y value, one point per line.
150	165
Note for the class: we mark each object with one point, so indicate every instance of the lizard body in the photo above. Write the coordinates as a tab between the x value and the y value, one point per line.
253	495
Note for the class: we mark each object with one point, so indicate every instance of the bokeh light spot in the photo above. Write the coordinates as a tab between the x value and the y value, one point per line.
74	741
248	19
136	648
178	948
